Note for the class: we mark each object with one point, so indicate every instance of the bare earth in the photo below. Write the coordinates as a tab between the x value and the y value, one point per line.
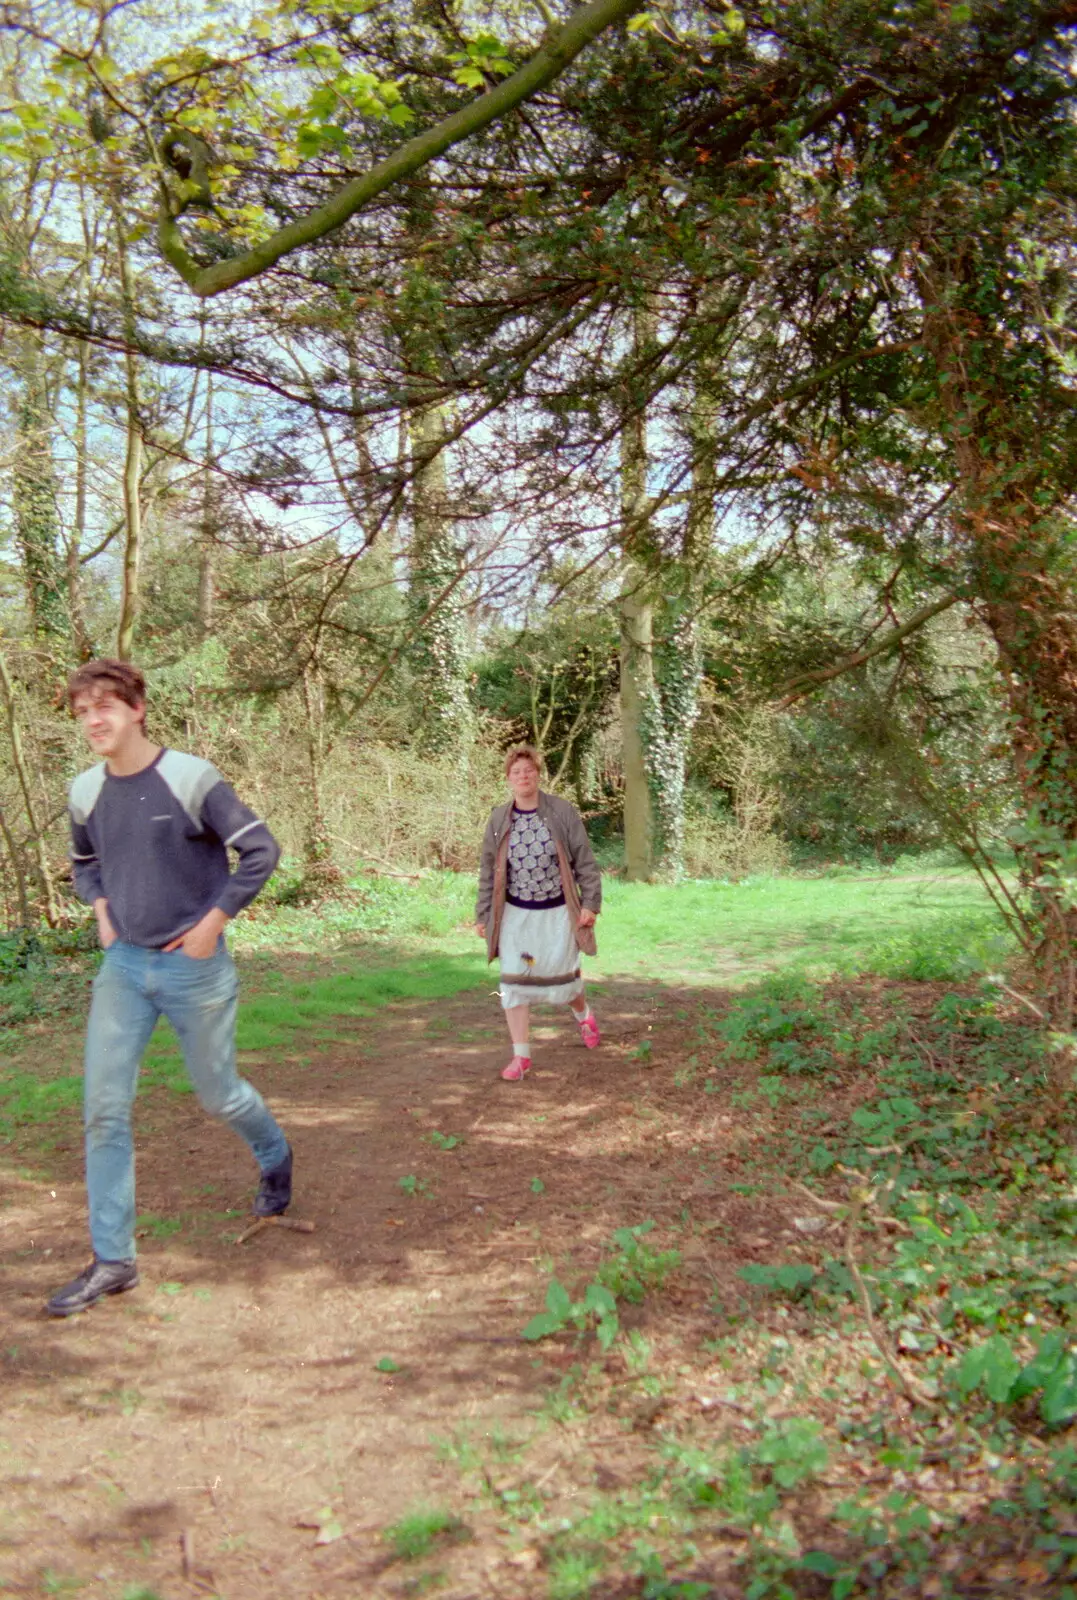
201	1434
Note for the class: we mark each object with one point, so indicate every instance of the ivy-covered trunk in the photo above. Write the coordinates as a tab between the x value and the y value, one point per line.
660	665
438	651
639	711
130	584
678	675
34	502
208	531
638	719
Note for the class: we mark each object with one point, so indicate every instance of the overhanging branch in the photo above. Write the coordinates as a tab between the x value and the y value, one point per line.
797	688
548	62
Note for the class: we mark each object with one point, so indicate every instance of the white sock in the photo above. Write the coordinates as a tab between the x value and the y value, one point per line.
582	1016
523	1050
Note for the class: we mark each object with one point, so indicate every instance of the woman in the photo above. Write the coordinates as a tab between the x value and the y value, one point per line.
539	894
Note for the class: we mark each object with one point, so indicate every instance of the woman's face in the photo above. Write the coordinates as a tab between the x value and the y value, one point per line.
523	780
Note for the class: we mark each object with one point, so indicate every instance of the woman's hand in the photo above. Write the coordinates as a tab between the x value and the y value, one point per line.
480	929
586	919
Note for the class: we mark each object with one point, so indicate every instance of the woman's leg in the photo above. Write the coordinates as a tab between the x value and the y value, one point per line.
519	1021
581	1010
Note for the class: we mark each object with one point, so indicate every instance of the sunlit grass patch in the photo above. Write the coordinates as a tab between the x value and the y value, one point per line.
417	1531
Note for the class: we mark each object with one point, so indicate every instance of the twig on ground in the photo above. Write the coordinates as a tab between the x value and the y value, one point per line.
297	1225
909	1385
1022	998
817	1199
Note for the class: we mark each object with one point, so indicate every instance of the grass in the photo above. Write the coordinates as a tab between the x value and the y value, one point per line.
892	924
417	1531
309	972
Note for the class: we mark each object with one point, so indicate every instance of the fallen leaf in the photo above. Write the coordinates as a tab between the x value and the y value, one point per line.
326	1522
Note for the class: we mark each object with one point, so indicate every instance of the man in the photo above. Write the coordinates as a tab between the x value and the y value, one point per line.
150	830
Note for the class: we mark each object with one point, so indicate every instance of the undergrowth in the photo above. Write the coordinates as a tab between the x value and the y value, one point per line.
884	1409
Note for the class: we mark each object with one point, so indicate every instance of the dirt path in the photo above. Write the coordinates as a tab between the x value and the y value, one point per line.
187	1438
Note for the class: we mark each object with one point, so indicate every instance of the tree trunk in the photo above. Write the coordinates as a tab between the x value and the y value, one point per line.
23	774
206	592
34	502
1009	516
438	651
637	704
439	648
132	467
321	874
80	640
21	898
636	614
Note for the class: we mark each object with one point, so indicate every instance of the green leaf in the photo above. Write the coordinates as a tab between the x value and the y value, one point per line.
598	1298
558	1301
537	1186
1040	1368
794	1276
543	1325
607	1330
971	1368
826	1565
469	77
387	1364
961	13
329	1528
992	1365
1059	1403
763	1276
1000	1369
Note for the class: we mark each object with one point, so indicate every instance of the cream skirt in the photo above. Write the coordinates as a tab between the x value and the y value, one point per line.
540	960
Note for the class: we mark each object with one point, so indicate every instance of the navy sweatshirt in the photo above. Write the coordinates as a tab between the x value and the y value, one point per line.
155	845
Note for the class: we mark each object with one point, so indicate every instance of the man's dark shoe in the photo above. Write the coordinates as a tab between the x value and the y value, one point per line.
275	1190
100	1278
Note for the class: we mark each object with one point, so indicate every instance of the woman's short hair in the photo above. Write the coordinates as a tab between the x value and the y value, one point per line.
523	752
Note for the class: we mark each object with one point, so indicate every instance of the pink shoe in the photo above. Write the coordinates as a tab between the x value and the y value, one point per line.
591	1036
517	1068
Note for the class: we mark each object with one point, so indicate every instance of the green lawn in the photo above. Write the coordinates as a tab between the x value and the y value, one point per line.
936	924
307	972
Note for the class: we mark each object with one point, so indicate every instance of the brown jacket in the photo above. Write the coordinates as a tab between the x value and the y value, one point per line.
580	877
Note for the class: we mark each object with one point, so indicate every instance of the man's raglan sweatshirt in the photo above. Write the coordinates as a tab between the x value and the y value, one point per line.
156	844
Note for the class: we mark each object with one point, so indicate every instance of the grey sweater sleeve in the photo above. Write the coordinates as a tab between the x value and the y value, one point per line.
237	827
85	867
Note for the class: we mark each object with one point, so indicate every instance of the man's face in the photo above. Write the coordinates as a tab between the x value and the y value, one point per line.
108	722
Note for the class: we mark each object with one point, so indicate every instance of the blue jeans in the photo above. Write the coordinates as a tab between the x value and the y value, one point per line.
132	989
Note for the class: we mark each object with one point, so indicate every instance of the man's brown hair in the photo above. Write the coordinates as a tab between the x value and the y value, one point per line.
113	677
523	752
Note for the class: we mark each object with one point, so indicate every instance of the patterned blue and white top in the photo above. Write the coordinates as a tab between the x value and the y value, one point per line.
534	877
